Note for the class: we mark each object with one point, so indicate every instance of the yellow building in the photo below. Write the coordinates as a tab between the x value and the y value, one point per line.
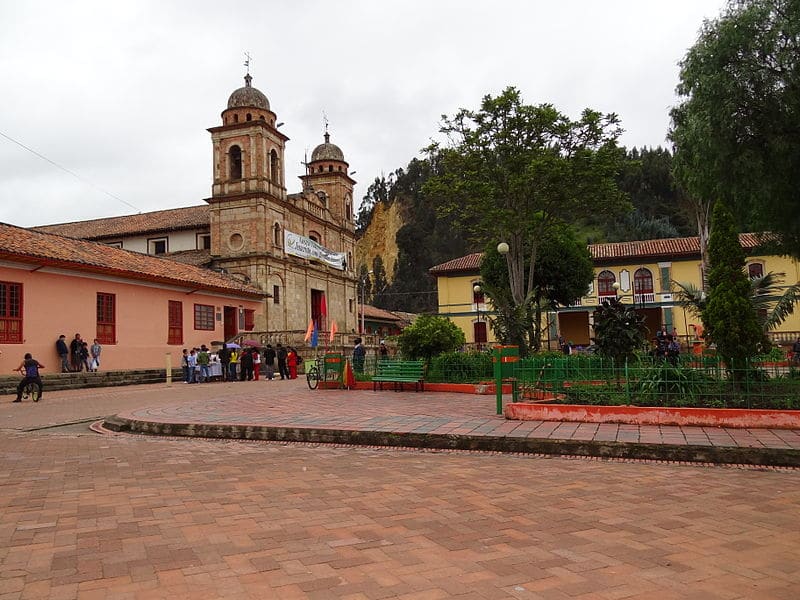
640	272
461	299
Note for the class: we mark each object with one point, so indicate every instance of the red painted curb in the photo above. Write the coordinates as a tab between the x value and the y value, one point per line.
646	415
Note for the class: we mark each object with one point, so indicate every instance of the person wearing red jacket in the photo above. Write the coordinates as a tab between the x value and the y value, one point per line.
291	362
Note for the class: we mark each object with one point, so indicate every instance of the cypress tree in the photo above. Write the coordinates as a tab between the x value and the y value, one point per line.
730	320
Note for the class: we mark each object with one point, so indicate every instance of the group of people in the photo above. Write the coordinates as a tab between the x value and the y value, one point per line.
668	346
241	364
76	357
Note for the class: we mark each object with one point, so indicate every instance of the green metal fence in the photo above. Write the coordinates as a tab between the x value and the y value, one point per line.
691	381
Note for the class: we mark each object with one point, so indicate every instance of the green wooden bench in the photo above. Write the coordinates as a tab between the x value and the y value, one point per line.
399	372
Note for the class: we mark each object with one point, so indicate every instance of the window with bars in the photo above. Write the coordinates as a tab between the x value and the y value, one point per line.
204	317
175	323
249	319
106	318
10	312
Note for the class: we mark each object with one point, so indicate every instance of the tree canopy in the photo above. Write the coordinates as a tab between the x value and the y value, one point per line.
737	131
514	171
564	274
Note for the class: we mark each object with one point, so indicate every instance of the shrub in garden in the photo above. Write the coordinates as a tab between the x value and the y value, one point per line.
429	336
460	367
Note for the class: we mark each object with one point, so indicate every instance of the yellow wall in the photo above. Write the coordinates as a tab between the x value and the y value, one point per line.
688	271
455	299
455	302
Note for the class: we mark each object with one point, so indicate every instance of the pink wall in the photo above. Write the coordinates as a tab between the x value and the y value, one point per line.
65	302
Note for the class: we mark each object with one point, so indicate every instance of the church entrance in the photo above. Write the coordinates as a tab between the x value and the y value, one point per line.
319	309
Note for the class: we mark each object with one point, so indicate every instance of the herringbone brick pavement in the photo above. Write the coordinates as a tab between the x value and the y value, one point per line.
101	517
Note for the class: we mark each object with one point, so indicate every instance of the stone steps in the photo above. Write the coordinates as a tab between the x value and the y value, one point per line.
74	381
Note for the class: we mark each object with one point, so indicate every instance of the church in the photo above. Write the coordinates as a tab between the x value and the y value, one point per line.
297	248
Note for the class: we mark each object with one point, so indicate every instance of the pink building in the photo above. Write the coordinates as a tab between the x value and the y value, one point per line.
142	309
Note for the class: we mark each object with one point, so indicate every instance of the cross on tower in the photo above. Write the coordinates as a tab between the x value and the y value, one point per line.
247	60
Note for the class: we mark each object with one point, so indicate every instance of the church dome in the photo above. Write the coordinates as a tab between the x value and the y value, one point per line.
248	97
327	151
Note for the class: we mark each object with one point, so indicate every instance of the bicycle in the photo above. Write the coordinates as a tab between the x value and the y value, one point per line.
314	374
32	390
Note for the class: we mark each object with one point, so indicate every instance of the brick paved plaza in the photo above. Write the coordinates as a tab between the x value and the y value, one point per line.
84	515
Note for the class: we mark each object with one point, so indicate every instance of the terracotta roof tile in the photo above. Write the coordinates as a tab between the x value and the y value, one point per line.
373	312
464	264
190	217
663	248
25	245
666	248
198	258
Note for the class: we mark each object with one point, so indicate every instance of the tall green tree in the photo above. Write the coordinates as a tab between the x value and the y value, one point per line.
564	274
659	209
737	130
728	316
514	171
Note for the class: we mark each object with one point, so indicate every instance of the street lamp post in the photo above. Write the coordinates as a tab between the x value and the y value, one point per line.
363	285
476	289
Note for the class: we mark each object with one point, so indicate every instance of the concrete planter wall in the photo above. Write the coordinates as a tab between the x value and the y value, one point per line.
641	415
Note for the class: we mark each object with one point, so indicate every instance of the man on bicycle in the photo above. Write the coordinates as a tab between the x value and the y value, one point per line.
29	369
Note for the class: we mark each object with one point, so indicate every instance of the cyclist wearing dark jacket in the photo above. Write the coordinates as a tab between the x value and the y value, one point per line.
29	369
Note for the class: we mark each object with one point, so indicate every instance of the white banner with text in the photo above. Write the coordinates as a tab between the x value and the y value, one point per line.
304	247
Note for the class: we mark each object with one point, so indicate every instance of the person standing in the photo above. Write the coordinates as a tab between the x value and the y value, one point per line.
233	365
359	355
84	356
192	362
282	355
247	365
203	360
796	352
224	356
185	365
29	368
291	362
75	352
63	353
95	351
269	361
256	363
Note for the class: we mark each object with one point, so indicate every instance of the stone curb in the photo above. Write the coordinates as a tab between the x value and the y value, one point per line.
776	457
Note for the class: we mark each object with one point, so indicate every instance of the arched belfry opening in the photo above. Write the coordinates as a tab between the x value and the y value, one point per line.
235	160
274	168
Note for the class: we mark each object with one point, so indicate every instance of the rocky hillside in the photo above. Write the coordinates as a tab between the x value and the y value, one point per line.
380	237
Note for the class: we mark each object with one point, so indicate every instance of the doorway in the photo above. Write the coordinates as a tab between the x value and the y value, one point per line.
230	322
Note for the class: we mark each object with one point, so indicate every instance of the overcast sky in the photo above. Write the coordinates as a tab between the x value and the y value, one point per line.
121	93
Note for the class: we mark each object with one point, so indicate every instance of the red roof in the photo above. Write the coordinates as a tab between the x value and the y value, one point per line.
373	312
24	245
663	248
176	219
466	264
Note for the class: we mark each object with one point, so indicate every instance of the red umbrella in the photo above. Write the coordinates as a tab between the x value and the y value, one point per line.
254	343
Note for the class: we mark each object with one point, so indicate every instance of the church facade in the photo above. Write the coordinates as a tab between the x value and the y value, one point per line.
298	248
